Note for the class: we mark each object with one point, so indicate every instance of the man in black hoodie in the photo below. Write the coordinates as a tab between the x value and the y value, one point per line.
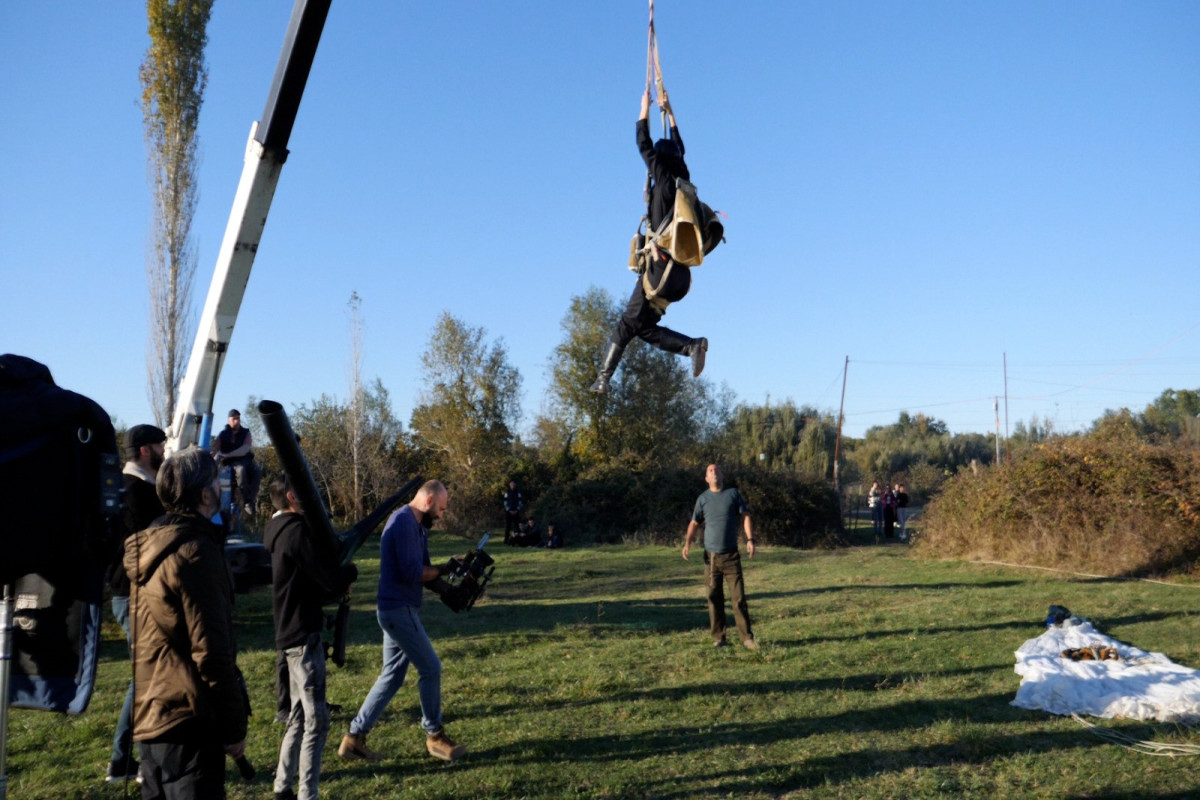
306	575
664	160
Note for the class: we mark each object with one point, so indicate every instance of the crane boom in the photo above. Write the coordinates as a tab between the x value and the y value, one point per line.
266	151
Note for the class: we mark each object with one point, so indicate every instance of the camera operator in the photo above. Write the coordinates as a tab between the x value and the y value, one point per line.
404	569
191	706
140	506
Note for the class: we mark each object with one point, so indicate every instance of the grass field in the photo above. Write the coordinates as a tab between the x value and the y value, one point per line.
589	673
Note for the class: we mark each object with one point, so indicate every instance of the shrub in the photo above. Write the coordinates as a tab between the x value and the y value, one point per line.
1108	503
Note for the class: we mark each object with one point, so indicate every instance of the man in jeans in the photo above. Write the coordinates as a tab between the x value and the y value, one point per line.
719	509
140	506
305	574
404	570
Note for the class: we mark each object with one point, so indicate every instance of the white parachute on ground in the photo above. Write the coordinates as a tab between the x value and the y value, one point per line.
1136	685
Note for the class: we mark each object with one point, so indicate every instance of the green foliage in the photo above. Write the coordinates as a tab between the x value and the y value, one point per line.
1108	502
1172	415
620	501
469	410
782	437
653	408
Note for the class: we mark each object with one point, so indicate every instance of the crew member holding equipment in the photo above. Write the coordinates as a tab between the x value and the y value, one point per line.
668	282
305	575
404	569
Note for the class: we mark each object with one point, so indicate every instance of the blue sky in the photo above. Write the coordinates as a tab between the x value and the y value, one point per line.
924	187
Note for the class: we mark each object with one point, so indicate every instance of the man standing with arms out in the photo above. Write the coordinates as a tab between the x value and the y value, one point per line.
305	575
718	510
139	507
190	707
513	503
234	447
404	569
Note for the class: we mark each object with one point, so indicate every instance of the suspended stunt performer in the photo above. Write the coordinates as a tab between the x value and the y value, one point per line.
680	231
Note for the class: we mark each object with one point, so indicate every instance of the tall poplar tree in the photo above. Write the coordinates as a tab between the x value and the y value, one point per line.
173	77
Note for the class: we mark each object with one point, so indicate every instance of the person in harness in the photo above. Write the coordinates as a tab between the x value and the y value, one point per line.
664	160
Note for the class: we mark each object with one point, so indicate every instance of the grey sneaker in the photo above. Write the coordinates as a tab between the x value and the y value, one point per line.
750	644
121	771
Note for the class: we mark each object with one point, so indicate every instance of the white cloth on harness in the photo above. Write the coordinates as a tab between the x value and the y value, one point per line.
1140	686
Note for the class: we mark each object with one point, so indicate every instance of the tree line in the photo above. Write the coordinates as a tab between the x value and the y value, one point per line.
623	466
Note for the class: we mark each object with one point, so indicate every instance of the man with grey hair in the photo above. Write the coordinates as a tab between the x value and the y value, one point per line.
404	569
190	707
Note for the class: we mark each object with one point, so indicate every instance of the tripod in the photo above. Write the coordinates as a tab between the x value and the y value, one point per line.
6	648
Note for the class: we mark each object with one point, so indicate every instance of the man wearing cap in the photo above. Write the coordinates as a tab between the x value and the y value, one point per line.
140	507
234	447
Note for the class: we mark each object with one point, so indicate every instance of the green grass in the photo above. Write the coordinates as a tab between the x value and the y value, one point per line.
589	673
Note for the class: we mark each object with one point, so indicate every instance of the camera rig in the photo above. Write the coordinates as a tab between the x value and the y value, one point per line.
467	577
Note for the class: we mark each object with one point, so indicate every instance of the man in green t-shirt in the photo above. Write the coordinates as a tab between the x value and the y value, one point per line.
719	510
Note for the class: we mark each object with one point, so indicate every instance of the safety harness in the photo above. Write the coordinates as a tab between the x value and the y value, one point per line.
692	229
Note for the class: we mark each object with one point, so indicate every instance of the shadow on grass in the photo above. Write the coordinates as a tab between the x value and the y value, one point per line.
894	587
613	747
990	708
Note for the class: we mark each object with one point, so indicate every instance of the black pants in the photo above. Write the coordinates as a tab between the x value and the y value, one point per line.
189	770
640	319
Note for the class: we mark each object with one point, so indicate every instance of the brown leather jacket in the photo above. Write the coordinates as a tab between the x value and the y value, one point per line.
181	613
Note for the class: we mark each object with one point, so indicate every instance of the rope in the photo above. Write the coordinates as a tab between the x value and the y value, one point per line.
654	76
1079	574
1166	749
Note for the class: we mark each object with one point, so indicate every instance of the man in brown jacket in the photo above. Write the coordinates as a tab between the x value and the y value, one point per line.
190	702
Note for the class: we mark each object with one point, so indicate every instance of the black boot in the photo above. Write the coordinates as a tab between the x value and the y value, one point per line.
695	349
612	357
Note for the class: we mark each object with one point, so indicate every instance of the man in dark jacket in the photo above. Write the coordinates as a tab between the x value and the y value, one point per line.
664	160
190	707
234	447
306	574
140	507
513	503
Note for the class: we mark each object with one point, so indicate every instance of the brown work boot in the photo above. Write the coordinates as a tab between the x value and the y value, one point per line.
354	746
442	746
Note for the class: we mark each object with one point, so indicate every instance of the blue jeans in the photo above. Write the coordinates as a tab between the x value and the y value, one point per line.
123	740
404	642
308	723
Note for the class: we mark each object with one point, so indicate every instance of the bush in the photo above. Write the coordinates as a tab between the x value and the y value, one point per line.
1107	503
620	502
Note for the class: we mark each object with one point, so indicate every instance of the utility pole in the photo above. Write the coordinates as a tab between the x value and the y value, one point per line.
837	443
1007	454
996	410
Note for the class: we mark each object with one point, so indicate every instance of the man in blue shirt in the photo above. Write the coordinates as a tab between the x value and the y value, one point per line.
404	569
719	510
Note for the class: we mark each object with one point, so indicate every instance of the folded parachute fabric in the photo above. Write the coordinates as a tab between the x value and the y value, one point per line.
1129	683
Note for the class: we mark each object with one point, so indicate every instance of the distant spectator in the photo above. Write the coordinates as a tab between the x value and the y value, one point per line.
875	505
902	511
554	539
889	514
513	505
528	534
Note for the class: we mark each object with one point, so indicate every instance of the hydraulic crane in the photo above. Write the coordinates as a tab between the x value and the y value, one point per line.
266	152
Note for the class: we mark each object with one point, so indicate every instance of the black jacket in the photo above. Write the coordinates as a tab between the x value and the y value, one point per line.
663	172
140	506
305	576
